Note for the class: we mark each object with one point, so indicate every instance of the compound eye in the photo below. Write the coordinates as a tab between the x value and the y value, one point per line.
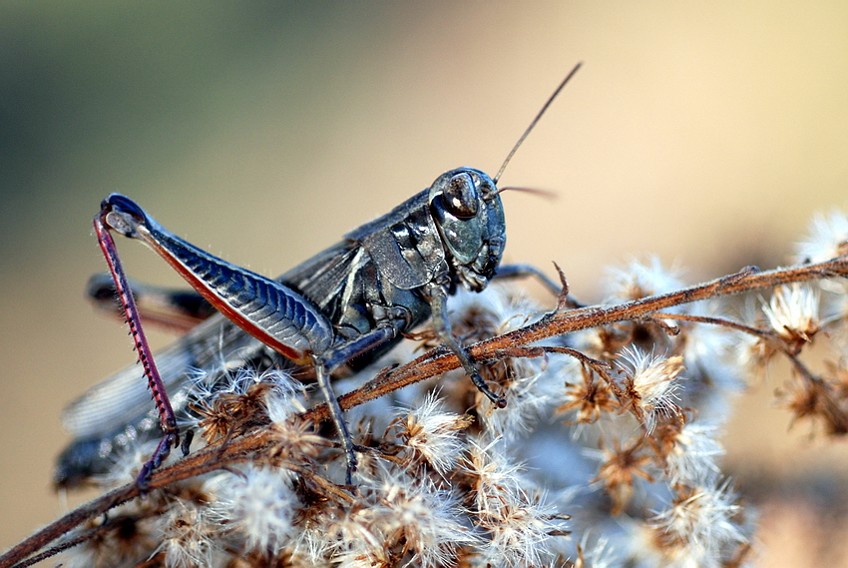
461	198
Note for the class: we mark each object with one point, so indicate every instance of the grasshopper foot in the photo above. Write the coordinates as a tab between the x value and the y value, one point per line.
161	452
481	385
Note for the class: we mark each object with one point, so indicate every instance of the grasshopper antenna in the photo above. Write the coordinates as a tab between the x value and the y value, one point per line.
536	120
531	190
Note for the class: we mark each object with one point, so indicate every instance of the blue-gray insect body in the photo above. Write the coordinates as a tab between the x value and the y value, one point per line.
346	305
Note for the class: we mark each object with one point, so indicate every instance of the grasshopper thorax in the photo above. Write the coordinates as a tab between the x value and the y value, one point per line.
468	212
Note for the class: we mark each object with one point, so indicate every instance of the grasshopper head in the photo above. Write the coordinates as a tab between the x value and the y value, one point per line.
469	215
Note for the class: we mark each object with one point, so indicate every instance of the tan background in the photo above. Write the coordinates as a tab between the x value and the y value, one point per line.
706	134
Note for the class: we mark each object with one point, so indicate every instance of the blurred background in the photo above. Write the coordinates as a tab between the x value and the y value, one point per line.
705	134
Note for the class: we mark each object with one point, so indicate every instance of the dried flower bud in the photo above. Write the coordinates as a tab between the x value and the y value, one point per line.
620	470
590	398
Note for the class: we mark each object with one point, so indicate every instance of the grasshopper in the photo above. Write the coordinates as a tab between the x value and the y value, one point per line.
344	307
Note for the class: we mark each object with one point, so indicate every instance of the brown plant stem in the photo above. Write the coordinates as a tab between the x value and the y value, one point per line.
558	322
431	364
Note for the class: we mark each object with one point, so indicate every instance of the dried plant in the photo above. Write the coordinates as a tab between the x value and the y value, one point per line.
607	454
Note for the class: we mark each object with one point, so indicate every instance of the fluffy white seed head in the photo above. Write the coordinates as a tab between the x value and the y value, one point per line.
639	279
699	528
692	459
827	238
188	536
258	503
435	434
653	382
793	312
